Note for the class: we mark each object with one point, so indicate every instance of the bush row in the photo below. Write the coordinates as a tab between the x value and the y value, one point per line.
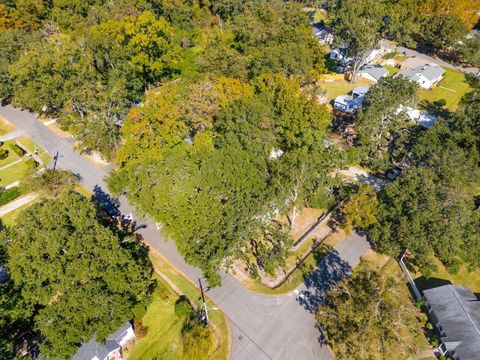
8	195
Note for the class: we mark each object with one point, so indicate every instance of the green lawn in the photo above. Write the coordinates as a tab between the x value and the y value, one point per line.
338	87
5	126
217	319
13	173
9	219
164	328
451	89
30	146
392	70
463	277
12	156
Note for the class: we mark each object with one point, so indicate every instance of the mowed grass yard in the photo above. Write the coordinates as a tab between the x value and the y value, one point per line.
160	344
164	328
14	173
451	89
12	156
464	277
30	146
339	86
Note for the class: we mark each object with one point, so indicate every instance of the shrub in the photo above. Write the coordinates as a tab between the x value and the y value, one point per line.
17	149
31	163
197	342
3	154
138	328
10	194
183	308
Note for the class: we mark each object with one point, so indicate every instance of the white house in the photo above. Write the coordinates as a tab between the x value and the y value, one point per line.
420	117
111	349
373	72
337	54
323	34
351	104
425	76
372	54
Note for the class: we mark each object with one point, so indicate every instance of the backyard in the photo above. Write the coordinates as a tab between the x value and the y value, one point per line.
336	85
440	277
451	89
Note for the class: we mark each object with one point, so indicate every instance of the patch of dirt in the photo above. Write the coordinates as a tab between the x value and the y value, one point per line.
96	158
306	218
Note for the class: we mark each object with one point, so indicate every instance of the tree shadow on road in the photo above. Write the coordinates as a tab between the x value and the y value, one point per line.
105	201
330	270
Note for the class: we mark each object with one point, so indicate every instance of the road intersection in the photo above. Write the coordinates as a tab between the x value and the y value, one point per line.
264	327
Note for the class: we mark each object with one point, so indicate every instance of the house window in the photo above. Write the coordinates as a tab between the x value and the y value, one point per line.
440	329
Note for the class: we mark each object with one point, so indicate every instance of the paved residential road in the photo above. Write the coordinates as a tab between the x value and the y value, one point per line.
263	327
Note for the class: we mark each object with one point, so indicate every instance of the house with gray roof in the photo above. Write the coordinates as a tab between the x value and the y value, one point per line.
426	75
455	311
351	104
111	349
373	72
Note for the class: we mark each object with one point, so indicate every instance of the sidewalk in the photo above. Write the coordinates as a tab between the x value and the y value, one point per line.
15	204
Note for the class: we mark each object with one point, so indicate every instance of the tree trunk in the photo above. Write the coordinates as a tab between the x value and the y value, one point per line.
294	215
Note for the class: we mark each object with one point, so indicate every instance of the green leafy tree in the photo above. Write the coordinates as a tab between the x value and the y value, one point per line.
13	42
273	247
383	115
15	313
359	210
358	25
80	276
430	212
363	319
49	182
402	21
443	32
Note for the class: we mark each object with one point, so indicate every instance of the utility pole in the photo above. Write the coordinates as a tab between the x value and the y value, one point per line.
203	300
55	158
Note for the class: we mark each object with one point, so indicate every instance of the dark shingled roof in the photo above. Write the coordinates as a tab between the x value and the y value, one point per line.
92	348
457	310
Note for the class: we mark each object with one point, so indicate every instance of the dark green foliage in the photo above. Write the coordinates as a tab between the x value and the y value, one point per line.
380	124
9	194
262	37
431	211
366	316
443	32
12	43
183	308
3	154
49	182
213	195
17	149
79	275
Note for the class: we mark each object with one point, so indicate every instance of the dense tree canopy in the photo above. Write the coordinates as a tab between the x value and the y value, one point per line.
78	275
201	164
357	24
363	318
383	118
88	63
431	210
